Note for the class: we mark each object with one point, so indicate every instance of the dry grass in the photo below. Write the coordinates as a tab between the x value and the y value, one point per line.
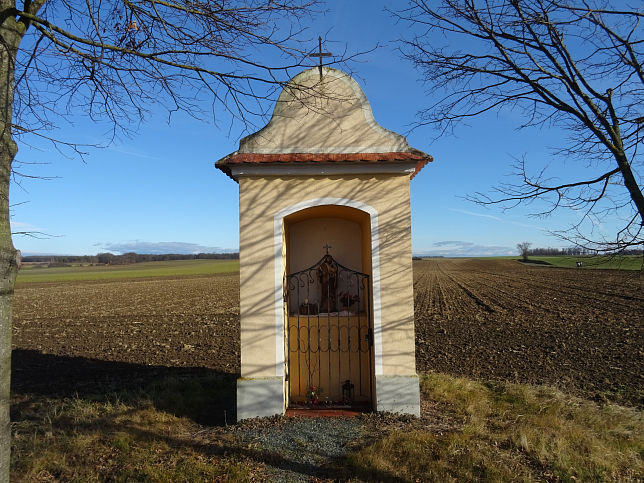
510	432
470	431
116	438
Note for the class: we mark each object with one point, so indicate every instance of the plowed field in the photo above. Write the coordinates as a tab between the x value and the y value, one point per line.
582	330
77	336
492	319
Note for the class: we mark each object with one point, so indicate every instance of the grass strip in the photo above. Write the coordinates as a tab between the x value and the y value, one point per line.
173	268
146	435
501	432
510	432
627	262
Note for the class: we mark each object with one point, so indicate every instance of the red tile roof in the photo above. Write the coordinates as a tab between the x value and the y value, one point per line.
254	158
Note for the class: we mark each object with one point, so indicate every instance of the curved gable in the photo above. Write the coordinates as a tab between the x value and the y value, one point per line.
323	115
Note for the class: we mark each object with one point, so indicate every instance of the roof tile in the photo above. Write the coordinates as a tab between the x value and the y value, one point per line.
237	158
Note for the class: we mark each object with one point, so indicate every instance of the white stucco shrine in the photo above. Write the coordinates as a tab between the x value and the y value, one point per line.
326	282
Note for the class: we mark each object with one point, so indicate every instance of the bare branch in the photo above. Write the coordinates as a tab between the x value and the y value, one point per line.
571	64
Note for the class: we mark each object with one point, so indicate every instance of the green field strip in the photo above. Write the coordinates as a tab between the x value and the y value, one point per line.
616	263
628	262
175	268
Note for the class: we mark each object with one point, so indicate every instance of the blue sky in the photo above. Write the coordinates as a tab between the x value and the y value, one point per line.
158	190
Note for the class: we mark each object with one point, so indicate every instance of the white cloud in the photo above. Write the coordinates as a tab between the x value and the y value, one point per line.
456	248
156	248
21	225
132	152
471	213
496	218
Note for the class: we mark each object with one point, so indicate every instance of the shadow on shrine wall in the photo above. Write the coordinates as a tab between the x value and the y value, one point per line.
394	245
203	395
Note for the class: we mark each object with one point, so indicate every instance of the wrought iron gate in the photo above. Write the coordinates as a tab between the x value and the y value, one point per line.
329	335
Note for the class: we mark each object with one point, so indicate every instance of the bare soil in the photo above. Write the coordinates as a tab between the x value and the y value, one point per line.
84	337
581	330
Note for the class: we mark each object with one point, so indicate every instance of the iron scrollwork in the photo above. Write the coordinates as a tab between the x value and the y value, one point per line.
329	333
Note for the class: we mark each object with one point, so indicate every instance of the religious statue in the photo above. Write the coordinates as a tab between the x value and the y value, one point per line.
328	278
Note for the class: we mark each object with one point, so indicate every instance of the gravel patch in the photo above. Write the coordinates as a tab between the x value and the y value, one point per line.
301	449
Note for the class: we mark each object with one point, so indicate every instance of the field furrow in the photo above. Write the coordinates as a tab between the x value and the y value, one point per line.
582	330
579	329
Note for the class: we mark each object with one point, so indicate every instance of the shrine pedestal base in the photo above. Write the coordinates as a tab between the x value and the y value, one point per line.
398	394
260	397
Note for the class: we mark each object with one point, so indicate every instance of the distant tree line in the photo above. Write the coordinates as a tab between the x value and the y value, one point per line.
575	252
125	258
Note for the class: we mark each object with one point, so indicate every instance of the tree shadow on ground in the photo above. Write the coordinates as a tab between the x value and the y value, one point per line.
535	262
204	395
44	387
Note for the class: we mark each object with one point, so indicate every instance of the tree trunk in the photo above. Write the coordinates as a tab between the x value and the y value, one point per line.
10	36
8	271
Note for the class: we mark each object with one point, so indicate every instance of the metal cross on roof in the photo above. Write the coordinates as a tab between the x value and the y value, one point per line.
327	246
320	54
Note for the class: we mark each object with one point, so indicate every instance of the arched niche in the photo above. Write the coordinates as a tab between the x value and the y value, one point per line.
344	229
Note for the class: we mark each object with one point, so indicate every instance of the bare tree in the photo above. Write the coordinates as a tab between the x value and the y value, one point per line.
573	65
524	250
109	60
